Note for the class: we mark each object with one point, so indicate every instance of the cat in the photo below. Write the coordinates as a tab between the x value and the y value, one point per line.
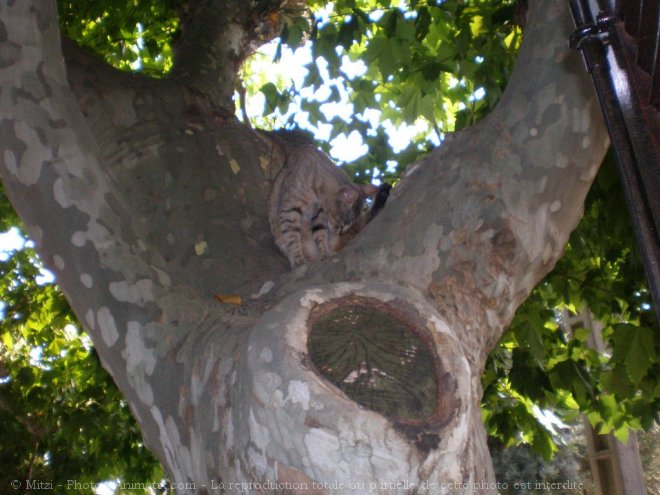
315	209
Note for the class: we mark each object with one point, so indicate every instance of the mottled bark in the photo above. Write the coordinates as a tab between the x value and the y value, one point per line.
218	36
147	199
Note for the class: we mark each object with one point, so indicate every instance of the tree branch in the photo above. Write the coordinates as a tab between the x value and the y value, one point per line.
217	37
83	231
477	223
104	95
158	140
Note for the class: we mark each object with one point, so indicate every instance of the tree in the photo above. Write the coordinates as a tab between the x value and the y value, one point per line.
146	215
63	418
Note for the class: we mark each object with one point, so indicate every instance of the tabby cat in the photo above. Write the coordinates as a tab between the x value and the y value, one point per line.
314	208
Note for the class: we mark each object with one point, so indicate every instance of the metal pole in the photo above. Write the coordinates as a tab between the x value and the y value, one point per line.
594	38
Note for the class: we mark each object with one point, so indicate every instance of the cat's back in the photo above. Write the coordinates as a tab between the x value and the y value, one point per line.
308	173
304	191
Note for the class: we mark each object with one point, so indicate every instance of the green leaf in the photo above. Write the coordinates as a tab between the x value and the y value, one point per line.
543	444
582	334
405	30
527	379
422	23
427	108
477	26
409	102
387	53
622	434
273	97
349	32
609	407
390	21
313	78
618	383
634	347
294	31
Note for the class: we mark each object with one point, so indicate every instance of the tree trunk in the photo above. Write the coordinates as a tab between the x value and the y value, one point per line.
147	198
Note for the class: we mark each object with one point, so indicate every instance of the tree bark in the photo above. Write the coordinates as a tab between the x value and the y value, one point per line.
148	198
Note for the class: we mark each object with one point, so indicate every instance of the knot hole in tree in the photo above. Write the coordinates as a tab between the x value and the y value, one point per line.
381	355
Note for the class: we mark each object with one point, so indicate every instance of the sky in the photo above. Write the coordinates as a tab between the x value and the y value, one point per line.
12	240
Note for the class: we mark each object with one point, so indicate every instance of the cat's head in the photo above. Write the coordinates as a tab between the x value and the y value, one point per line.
350	203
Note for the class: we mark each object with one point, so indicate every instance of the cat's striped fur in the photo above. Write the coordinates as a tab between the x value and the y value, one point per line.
314	208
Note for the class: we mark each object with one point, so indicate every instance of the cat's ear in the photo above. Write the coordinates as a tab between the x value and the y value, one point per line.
368	189
347	196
